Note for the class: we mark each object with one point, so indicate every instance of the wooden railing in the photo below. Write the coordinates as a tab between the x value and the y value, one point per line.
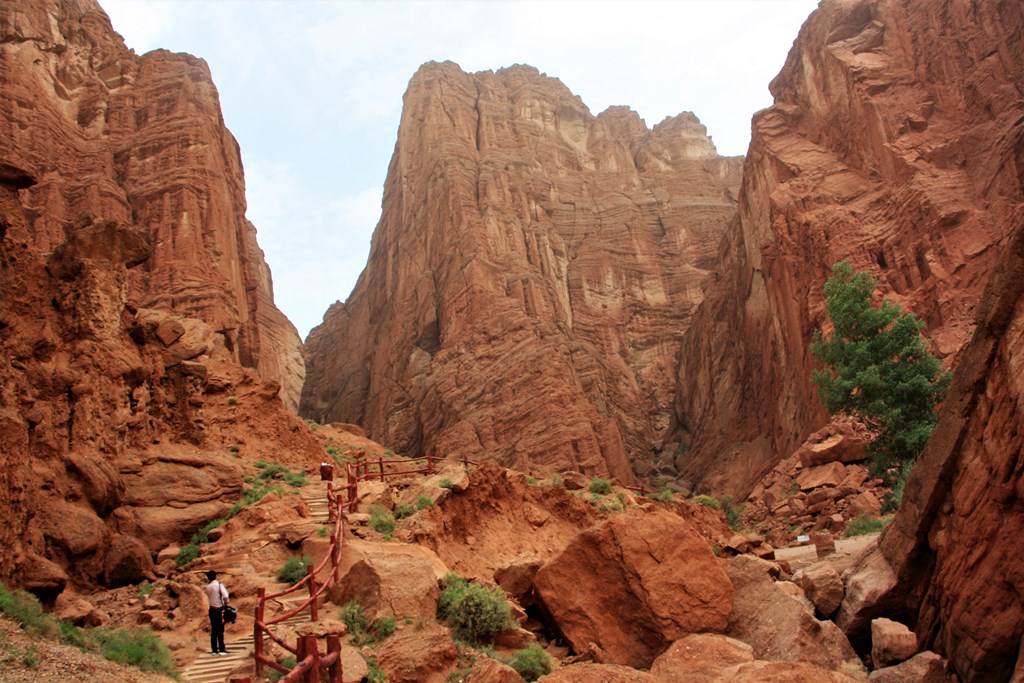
338	500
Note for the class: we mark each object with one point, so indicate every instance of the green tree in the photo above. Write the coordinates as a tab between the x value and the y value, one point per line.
880	371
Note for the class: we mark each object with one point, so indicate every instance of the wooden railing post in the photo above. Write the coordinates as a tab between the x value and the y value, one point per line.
257	633
312	591
334	672
312	650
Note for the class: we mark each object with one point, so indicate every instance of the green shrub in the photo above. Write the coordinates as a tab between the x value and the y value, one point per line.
403	510
476	612
707	501
294	569
295	479
24	608
453	587
865	524
557	480
599	485
139	647
664	496
72	635
384	627
532	481
274	471
374	673
333	450
273	675
445	483
382	521
531	662
733	513
355	618
232	400
234	448
187	554
31	658
424	502
321	532
260	464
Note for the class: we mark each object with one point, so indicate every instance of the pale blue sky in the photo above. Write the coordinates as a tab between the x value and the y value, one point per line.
312	90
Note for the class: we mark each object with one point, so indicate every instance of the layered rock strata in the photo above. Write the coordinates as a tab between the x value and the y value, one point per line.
115	422
141	141
954	546
529	279
895	143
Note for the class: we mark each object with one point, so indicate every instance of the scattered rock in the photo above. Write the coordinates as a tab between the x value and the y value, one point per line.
891	642
781	627
925	667
822	586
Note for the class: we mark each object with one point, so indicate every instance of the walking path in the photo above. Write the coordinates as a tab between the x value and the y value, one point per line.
210	668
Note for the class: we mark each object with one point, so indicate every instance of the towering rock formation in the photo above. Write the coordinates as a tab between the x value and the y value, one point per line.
140	140
135	300
955	544
529	279
895	142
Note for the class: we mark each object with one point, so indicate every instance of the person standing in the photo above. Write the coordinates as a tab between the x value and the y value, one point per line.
217	594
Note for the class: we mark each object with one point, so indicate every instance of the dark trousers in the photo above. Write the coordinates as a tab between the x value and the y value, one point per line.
217	629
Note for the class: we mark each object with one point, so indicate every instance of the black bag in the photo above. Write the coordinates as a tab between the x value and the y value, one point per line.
230	614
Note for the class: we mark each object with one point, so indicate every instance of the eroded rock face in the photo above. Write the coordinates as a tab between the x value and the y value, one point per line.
140	141
894	143
632	585
954	544
113	449
528	279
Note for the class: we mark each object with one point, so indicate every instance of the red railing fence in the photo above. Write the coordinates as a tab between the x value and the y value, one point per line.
310	662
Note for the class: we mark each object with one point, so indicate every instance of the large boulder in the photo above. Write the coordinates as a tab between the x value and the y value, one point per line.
590	672
128	561
418	655
822	586
700	658
391	579
633	584
489	670
782	627
891	642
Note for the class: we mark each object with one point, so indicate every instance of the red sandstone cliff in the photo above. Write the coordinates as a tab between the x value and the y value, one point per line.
528	281
955	544
141	140
894	142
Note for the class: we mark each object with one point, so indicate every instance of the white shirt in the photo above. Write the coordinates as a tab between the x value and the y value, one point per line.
217	594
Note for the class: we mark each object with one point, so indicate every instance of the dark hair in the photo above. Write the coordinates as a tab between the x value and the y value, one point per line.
211	575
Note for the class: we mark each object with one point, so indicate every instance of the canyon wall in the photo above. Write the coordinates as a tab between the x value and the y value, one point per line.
895	143
954	546
143	361
529	279
141	140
